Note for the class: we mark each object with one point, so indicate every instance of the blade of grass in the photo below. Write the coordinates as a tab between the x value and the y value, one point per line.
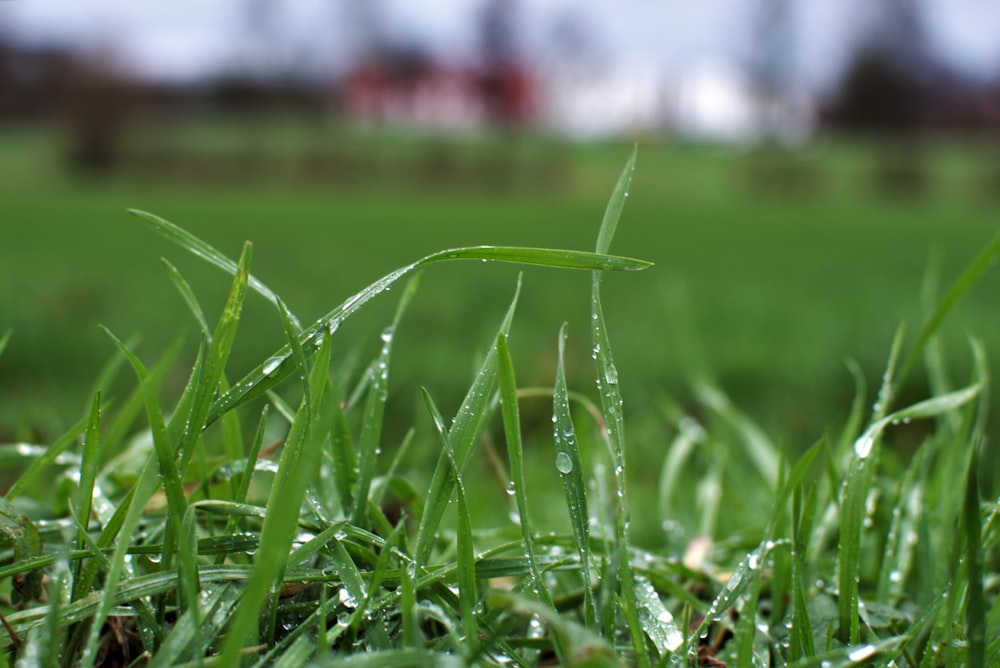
465	565
88	474
190	242
515	453
969	277
187	294
463	434
975	611
295	469
803	517
570	467
216	357
280	365
48	458
172	486
378	394
611	408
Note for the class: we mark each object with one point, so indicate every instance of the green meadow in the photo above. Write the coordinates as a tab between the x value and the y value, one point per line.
799	384
770	291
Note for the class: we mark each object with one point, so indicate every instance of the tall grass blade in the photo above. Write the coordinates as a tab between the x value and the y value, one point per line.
975	611
171	482
609	224
465	566
187	294
515	452
280	365
570	467
295	470
88	475
191	243
969	277
215	359
378	393
463	434
611	408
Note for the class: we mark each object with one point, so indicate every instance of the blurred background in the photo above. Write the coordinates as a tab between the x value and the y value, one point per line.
807	171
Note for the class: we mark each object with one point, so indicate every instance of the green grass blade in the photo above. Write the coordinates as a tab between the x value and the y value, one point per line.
47	459
280	365
975	611
611	408
616	203
515	452
801	634
130	511
296	468
4	339
378	394
187	294
657	621
88	475
543	257
570	467
969	277
465	565
410	657
762	452
463	435
190	242
298	354
171	481
216	357
886	391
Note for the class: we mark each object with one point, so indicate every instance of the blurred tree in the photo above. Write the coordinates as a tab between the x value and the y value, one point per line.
886	83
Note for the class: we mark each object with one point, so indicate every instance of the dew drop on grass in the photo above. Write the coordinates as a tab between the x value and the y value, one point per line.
271	364
863	446
861	653
564	463
611	375
346	599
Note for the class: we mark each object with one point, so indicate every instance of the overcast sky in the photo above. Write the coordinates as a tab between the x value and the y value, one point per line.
185	38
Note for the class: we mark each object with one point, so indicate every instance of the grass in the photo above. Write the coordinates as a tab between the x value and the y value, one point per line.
280	519
780	289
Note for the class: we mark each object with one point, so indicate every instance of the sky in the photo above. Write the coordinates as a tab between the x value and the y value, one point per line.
188	38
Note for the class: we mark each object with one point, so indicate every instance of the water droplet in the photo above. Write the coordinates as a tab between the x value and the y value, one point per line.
611	375
510	489
753	562
346	599
564	463
895	576
861	653
387	335
863	446
271	364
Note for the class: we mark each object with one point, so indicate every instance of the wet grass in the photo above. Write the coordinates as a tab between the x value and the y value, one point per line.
283	518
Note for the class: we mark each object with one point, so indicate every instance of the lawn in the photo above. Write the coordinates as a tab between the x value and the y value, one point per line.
770	293
371	530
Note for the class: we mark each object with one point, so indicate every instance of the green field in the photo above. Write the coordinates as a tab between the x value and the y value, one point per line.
779	285
770	293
